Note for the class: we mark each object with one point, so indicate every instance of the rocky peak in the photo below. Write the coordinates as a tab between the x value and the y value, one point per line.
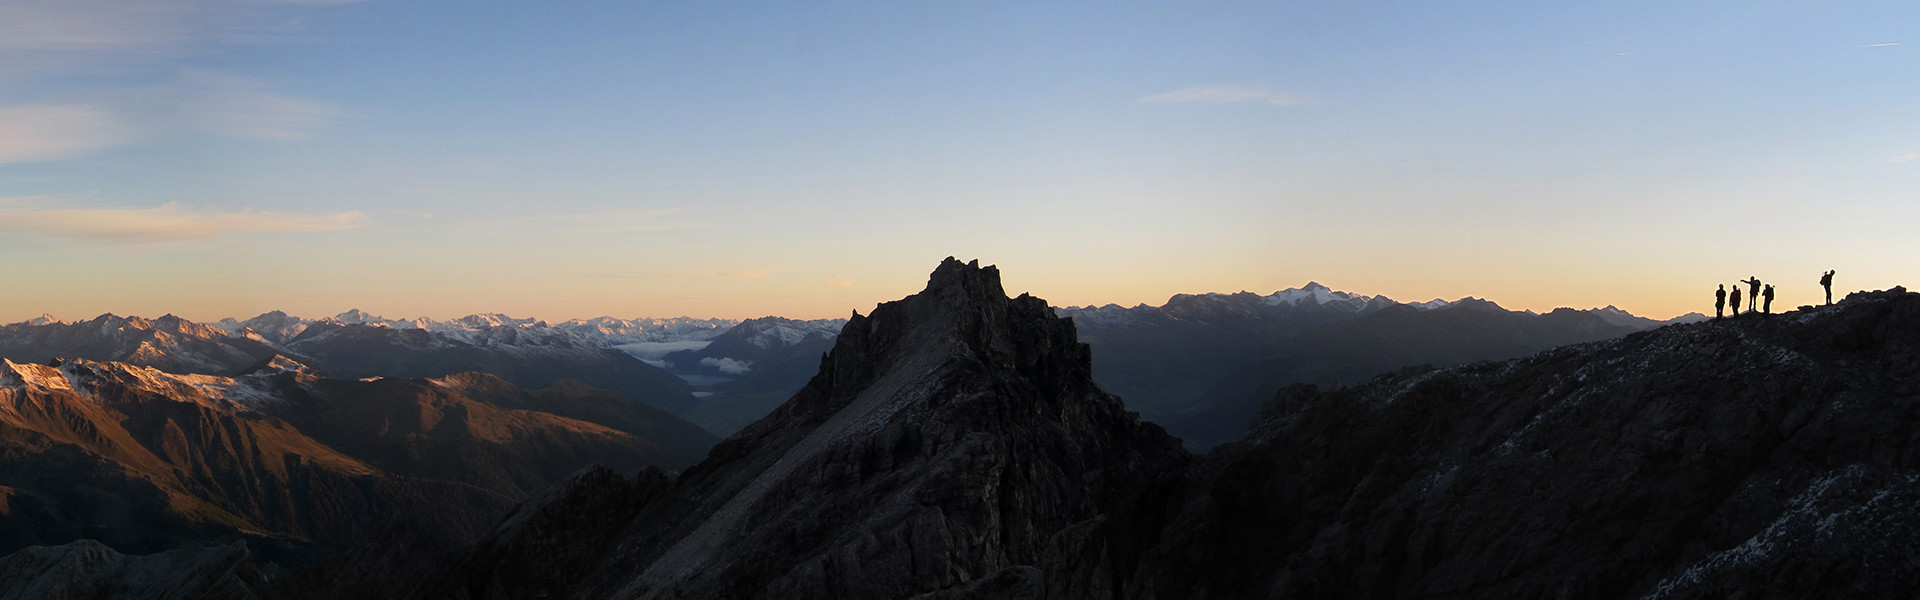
963	311
948	437
22	375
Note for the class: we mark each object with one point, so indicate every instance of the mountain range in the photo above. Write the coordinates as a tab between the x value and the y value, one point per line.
146	460
959	443
527	355
1202	364
954	444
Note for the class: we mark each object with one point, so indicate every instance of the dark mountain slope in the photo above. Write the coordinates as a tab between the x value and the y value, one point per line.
775	377
1383	340
948	438
1203	364
87	569
743	347
144	460
527	358
1753	457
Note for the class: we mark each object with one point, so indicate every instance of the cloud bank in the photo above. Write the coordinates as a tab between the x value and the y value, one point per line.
728	365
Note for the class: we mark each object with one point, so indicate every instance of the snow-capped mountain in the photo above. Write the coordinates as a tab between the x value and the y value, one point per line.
1311	299
169	343
278	327
283	454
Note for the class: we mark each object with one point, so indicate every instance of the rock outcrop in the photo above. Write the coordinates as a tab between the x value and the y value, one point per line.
1756	457
946	443
88	569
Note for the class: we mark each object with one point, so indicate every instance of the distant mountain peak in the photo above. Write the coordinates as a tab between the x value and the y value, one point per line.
1319	295
355	315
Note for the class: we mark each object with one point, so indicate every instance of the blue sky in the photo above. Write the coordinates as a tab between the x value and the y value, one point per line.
227	157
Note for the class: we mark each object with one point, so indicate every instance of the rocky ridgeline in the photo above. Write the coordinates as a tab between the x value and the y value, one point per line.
953	446
948	437
1757	457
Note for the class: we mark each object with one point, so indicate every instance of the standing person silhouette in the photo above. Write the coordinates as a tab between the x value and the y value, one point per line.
1753	293
1720	302
1767	294
1826	281
1736	301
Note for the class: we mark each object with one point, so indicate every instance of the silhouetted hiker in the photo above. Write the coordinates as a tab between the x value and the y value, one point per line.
1720	302
1736	301
1753	292
1767	294
1826	281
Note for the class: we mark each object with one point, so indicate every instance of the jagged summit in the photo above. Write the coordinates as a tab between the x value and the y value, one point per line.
949	437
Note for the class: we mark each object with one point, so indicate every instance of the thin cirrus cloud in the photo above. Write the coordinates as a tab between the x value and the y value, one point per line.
142	30
96	25
754	273
1883	45
38	132
1224	95
165	223
1904	158
237	106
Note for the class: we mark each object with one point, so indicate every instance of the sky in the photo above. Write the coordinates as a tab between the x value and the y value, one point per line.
215	158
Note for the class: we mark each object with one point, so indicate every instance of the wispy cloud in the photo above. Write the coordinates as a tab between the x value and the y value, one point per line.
134	30
96	25
167	222
50	131
752	273
1224	95
1882	45
618	220
242	107
1904	158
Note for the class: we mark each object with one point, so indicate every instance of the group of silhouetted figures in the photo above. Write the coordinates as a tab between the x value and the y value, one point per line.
1758	297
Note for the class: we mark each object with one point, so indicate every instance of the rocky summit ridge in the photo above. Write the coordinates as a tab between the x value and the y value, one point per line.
949	437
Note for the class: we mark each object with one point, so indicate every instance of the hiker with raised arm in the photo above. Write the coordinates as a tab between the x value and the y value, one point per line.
1753	292
1826	282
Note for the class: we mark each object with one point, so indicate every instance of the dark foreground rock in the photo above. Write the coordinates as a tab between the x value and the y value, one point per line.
87	569
947	441
1752	458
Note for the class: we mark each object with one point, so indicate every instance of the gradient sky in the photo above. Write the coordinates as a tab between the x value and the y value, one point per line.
216	158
